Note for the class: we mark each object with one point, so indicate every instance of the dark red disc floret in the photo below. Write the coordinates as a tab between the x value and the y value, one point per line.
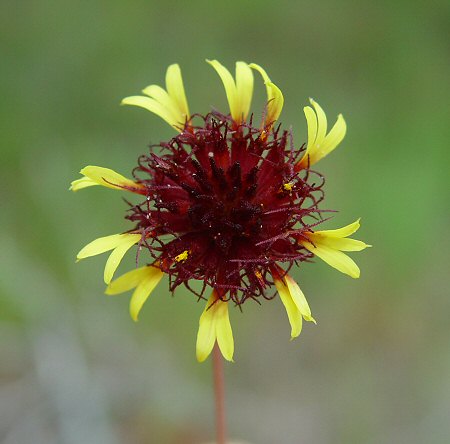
223	204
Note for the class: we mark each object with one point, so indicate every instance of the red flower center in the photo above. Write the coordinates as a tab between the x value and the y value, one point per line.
224	204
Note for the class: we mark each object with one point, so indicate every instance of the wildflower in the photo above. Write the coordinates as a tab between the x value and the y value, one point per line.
226	203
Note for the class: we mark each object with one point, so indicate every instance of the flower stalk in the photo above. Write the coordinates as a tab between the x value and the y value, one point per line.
219	394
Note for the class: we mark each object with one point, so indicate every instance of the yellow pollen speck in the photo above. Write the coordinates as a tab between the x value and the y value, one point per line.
288	186
182	256
259	276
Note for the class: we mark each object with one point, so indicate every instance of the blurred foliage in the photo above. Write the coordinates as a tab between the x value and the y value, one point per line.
76	369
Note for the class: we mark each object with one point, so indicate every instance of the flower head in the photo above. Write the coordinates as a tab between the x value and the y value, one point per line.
225	202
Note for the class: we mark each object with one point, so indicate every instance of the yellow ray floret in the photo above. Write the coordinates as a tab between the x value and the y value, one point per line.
275	99
95	175
119	243
239	93
143	279
330	244
215	325
84	182
320	143
170	104
294	301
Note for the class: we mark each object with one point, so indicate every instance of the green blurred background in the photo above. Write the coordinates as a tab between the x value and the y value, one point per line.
75	368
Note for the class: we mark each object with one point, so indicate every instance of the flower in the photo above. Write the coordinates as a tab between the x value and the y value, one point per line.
226	203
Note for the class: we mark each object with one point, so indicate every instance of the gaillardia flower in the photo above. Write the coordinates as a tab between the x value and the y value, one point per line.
226	202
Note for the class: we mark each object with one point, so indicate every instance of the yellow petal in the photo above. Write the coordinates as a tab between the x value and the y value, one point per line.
239	94
342	232
342	244
154	107
206	336
293	312
299	298
224	333
335	259
332	140
109	178
84	182
330	244
264	75
101	245
143	290
170	105
230	88
321	122
275	105
127	281
311	121
175	88
159	94
275	97
244	88
117	255
319	143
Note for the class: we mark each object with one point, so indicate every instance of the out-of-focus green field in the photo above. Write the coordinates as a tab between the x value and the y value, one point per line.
75	369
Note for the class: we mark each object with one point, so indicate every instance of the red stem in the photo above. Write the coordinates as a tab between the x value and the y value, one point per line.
219	393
